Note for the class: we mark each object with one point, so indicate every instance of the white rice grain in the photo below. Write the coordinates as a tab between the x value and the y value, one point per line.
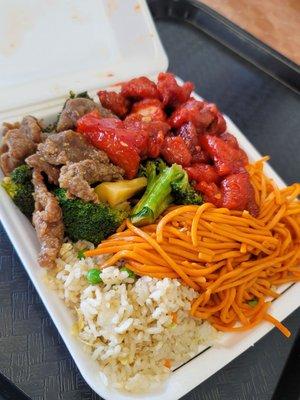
127	324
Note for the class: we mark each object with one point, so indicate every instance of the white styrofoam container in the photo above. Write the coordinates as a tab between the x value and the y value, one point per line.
15	102
49	47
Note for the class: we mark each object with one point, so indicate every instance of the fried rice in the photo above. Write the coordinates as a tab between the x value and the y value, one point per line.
138	329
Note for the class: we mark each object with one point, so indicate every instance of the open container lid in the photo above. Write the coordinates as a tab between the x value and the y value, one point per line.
50	47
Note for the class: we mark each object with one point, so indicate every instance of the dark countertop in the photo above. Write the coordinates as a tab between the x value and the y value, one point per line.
31	351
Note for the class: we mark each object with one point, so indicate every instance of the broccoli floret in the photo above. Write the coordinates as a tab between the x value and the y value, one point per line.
166	185
50	128
151	168
88	221
20	188
184	193
81	95
22	174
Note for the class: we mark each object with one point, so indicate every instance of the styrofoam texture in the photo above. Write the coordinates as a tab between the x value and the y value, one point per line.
23	238
49	47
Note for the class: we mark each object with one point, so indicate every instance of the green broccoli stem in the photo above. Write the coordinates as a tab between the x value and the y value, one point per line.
151	181
164	204
157	196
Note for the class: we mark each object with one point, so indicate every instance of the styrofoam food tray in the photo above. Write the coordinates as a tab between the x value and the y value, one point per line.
185	378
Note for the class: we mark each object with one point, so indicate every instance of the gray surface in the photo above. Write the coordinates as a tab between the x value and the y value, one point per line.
31	351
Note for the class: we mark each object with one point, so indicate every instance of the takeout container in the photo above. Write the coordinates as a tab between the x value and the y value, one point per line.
52	47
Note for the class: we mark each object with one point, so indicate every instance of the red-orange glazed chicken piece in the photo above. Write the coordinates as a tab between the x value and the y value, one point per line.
115	102
170	92
150	110
227	159
140	88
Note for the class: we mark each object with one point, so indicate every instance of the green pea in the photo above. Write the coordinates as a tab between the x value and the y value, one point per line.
94	276
130	273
